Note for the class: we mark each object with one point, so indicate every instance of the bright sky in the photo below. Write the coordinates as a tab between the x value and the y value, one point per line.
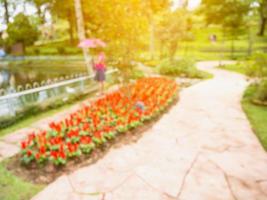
29	9
192	3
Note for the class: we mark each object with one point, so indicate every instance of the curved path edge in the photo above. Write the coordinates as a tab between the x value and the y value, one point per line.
203	149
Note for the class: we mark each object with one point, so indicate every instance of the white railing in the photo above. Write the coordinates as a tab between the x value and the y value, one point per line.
13	103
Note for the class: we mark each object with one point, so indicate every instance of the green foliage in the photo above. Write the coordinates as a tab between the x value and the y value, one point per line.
230	14
260	64
183	68
13	188
65	11
255	66
61	50
137	74
174	28
150	63
243	67
22	31
38	4
261	92
124	28
6	121
257	115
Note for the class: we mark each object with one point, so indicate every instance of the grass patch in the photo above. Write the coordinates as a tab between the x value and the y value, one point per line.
257	115
235	68
181	68
31	119
14	188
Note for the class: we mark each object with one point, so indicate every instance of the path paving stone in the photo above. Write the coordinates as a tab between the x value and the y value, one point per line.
202	149
18	136
7	150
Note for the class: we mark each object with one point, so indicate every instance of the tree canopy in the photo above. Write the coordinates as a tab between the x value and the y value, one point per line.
22	31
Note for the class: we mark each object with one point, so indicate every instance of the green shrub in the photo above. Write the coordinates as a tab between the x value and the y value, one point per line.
261	92
36	51
136	74
256	66
151	63
183	68
259	64
61	50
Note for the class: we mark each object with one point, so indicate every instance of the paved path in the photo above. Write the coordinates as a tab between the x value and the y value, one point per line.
203	149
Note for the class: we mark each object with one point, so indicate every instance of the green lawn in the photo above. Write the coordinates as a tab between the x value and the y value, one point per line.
199	47
235	68
257	115
13	188
31	119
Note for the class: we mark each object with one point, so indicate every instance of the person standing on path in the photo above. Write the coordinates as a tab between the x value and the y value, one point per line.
100	69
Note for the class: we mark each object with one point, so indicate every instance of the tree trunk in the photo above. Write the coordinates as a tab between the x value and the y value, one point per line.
263	16
262	26
250	41
40	14
71	27
81	33
6	12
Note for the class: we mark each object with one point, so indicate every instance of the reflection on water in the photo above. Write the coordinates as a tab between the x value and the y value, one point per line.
13	76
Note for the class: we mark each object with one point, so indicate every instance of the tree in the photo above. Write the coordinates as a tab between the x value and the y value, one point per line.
38	4
5	3
174	28
22	31
122	25
81	31
151	9
66	11
229	14
263	16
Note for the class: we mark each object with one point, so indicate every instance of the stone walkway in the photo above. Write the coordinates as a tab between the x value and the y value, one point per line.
203	149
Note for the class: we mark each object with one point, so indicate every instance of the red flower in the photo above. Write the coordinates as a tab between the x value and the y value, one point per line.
31	136
23	145
86	140
86	126
98	134
109	113
54	154
72	147
29	152
42	149
37	156
62	155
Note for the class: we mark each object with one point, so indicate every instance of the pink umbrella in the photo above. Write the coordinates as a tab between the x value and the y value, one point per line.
92	43
100	43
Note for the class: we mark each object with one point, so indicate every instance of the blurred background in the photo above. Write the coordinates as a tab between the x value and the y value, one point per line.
39	41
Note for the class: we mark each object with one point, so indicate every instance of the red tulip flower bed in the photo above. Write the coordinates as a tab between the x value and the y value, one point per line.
101	121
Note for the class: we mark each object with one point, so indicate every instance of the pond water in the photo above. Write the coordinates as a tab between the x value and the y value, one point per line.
14	75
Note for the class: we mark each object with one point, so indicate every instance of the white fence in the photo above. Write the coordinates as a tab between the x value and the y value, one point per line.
12	104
